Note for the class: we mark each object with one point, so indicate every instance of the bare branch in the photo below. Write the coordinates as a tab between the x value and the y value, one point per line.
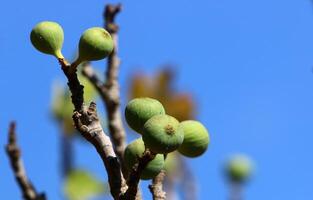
134	175
109	91
14	154
112	86
156	188
88	124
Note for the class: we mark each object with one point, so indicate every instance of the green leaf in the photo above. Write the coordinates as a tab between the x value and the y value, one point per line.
81	185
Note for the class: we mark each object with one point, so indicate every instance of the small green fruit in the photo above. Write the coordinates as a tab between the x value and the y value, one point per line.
239	168
196	139
135	150
94	44
162	134
140	110
47	37
172	163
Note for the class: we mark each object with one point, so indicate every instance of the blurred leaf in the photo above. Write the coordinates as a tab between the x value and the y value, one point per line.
81	185
178	104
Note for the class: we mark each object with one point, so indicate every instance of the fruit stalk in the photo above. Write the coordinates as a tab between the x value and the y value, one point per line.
134	175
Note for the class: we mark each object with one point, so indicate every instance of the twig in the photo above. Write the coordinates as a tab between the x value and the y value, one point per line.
14	154
66	154
188	182
109	91
88	124
134	175
156	188
235	191
112	86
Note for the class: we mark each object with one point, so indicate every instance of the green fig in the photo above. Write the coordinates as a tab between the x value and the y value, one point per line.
94	44
139	110
47	37
162	134
171	163
135	150
239	168
196	139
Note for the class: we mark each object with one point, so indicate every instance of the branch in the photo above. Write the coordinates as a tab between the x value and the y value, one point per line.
14	154
156	188
134	175
88	124
109	91
235	191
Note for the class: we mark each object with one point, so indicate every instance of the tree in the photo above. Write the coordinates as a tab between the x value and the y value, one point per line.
161	133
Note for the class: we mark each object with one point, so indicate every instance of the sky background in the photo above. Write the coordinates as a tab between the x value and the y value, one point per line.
247	63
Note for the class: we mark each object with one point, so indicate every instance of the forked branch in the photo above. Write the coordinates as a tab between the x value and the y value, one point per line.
88	124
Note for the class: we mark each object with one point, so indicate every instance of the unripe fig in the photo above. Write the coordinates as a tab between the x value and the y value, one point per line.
47	37
139	110
239	168
162	134
171	163
94	44
196	139
135	150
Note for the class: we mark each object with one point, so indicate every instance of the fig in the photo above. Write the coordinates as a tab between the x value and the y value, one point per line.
134	151
139	110
94	44
171	163
196	139
239	168
47	37
162	134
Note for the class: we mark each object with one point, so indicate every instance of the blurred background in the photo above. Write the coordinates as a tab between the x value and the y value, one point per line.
243	68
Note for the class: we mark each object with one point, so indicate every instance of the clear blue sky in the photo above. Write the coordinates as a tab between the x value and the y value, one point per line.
248	63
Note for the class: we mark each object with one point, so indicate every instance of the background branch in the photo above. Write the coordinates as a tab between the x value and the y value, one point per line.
109	91
156	188
14	154
88	124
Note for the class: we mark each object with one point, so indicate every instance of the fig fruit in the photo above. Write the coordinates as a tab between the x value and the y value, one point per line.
135	150
162	134
47	37
171	163
94	44
196	139
239	168
139	110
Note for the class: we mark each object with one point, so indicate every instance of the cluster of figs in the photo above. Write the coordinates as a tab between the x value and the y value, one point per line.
94	44
161	134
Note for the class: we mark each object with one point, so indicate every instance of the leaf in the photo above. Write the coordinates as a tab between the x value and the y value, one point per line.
81	185
160	86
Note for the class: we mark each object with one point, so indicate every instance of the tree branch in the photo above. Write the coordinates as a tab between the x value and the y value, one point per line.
88	124
109	91
134	175
156	188
14	154
112	86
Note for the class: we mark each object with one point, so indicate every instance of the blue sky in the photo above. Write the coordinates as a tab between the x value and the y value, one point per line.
248	63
